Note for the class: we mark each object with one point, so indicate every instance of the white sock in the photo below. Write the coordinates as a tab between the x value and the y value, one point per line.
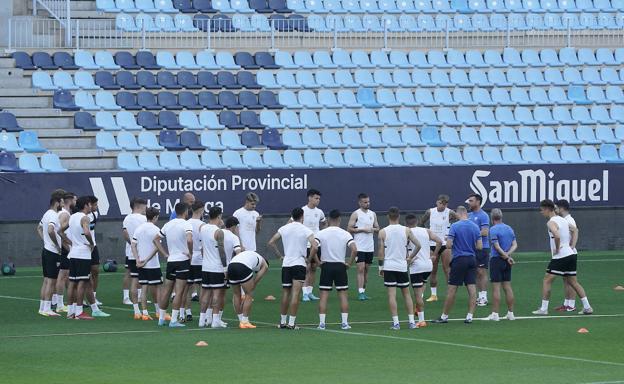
572	303
395	319
162	313
126	294
95	295
444	316
304	290
59	300
240	316
421	316
71	310
494	314
145	313
78	310
244	319
361	290
209	316
181	313
156	308
566	302
174	315
544	305
202	319
215	318
485	295
283	319
291	320
469	316
188	312
220	315
585	302
434	291
310	289
47	305
345	318
410	317
94	307
322	318
54	298
509	313
40	305
136	309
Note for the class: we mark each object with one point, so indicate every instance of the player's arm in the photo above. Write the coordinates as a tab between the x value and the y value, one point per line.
126	236
375	225
453	217
479	244
63	225
313	249
52	234
417	245
322	223
158	244
273	245
39	230
84	223
574	235
220	239
189	243
353	248
436	239
261	272
258	223
351	225
424	219
485	229
381	250
554	230
135	253
449	242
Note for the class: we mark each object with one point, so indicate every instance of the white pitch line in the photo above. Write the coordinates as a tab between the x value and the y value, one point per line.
606	382
77	334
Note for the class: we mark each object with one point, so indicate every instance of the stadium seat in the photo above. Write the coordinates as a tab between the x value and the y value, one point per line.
105	60
232	160
23	61
148	121
394	157
84	121
127	141
211	160
431	137
43	81
43	60
190	160
310	119
147	60
127	101
27	162
451	155
528	136
190	140
170	161
106	101
169	120
512	156
51	163
106	121
492	155
126	60
608	152
106	141
106	80
64	100
84	80
9	143
290	119
211	141
413	156
127	121
64	60
84	100
169	140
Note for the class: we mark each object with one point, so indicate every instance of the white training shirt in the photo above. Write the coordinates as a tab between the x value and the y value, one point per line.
247	227
422	262
250	259
175	231
130	224
144	237
197	245
564	236
312	217
50	218
439	223
231	243
80	246
211	261
364	241
395	256
334	242
295	240
571	220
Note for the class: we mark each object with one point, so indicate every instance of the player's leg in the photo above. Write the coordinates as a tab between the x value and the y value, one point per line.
341	281
248	286
510	299
95	274
178	287
284	303
409	304
497	266
325	286
361	277
163	297
237	301
472	301
392	304
418	285
310	280
496	296
297	285
71	299
546	288
343	298
61	282
205	306
580	291
433	282
482	277
126	284
446	263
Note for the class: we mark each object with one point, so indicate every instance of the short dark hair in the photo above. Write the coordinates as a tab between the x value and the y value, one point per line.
92	199
410	219
312	192
197	205
443	197
231	222
69	195
362	196
82	202
393	213
137	201
57	193
563	203
334	214
55	199
548	204
476	196
151	212
296	213
214	212
180	209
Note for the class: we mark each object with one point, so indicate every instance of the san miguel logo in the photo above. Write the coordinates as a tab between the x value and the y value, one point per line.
532	186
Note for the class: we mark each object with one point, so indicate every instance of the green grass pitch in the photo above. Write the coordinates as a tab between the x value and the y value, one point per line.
119	349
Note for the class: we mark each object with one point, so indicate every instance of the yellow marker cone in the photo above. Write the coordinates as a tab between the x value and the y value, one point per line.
201	343
583	330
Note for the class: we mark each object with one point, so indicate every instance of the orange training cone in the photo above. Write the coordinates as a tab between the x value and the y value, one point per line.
201	343
583	330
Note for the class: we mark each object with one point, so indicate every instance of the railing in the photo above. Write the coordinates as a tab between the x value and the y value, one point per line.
60	10
29	33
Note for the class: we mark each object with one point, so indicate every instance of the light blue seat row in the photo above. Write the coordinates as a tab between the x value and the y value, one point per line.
49	162
166	59
134	6
158	23
103	101
63	80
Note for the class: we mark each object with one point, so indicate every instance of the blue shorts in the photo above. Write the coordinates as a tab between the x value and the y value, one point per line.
500	270
483	258
463	271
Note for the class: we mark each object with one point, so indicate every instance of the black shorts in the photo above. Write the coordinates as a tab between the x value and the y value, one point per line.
294	273
463	271
334	274
149	276
95	256
126	262
239	273
318	253
483	258
500	270
132	267
419	279
442	248
178	270
50	263
63	260
213	280
365	257
562	267
79	269
396	279
195	274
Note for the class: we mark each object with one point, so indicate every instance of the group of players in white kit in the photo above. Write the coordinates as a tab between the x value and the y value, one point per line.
217	255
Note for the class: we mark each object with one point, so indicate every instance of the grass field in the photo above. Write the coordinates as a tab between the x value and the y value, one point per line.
529	350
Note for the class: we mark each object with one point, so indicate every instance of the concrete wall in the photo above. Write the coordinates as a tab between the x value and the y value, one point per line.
600	230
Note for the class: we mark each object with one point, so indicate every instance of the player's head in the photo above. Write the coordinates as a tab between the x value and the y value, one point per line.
363	201
562	207
334	217
152	214
94	203
314	198
474	201
214	214
251	201
547	208
56	201
411	220
198	209
181	210
138	205
69	200
83	204
58	193
461	212
297	214
188	199
394	214
231	223
496	215
442	202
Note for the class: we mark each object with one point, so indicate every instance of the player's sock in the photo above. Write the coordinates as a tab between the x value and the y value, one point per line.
566	302
421	316
40	305
485	295
202	319
395	319
469	316
59	300
572	303
291	320
434	291
189	312
126	294
444	316
480	295
71	310
240	316
585	302
244	319
220	315
544	305
410	318
345	318
215	318
208	316
145	312
54	298
94	307
156	308
181	312
137	311
95	295
361	290
78	310
283	319
174	315
47	305
322	318
162	313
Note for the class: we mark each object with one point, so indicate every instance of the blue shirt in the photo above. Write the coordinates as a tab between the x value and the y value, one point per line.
465	235
483	221
502	234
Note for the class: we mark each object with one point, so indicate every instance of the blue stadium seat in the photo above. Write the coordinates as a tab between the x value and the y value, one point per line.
169	140
528	136
608	153
413	156
290	119
551	155
351	138
43	81
293	159
312	139
211	141
231	140
512	156
548	136
451	155
531	155
170	161
329	119
605	135
127	141
492	155
51	163
9	143
369	117
567	134
334	158
106	80
126	121
148	141
211	160
84	100
64	101
433	156
431	137
84	80
394	157
588	153
349	118
293	140
373	157
106	121
314	159
82	120
353	157
569	154
128	162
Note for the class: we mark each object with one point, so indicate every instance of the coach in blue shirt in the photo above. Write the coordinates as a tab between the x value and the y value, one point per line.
187	199
479	217
464	239
503	246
